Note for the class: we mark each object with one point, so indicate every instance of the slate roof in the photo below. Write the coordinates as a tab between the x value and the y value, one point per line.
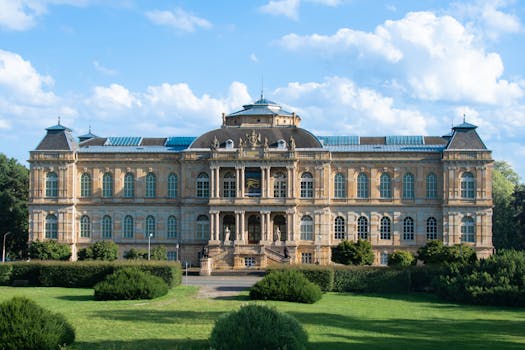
58	138
261	107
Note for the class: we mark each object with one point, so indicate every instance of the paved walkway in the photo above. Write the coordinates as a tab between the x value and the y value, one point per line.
220	286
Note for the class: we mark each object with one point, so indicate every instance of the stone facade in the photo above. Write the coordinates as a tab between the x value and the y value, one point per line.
261	190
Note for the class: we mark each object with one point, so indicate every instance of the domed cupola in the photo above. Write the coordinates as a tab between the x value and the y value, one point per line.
261	113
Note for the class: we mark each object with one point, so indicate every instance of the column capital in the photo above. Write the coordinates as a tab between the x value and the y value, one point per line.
264	212
290	211
240	211
214	211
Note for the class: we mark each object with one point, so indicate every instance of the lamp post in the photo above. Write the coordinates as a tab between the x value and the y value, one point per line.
3	246
177	249
149	245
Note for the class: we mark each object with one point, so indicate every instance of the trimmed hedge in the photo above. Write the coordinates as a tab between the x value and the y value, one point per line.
257	327
287	285
359	279
6	270
26	325
130	283
84	274
323	276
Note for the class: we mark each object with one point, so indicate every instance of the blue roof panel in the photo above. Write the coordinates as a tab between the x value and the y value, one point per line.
179	142
405	140
123	141
339	140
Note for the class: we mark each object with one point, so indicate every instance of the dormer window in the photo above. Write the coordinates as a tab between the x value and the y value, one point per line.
281	144
229	144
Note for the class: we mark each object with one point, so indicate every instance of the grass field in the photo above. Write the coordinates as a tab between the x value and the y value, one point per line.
338	321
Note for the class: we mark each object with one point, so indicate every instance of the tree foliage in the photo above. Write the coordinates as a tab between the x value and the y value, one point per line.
434	252
50	250
353	253
101	250
401	258
505	227
157	253
14	185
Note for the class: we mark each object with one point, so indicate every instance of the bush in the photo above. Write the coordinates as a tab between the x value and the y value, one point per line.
365	279
130	284
401	258
288	285
25	325
6	271
353	253
85	274
257	327
136	254
497	280
323	276
49	250
434	252
101	250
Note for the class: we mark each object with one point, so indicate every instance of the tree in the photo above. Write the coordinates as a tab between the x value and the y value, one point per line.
434	252
353	253
401	258
14	185
159	253
101	250
505	228
50	250
136	254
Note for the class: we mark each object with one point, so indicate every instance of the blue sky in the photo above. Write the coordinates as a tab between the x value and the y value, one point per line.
348	67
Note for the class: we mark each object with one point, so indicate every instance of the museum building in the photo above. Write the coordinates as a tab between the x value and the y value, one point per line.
261	190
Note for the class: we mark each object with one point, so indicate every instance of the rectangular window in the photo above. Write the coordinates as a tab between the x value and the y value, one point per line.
249	261
383	259
306	258
172	255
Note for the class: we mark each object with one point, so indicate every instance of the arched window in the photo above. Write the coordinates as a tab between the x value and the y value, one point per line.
431	228
431	186
362	186
107	185
173	184
408	186
151	185
128	226
385	186
339	186
467	185
362	228
203	185
129	185
468	229
52	185
85	226
51	226
203	228
85	185
408	229
107	226
307	185
279	185
172	227
385	228
339	228
150	226
228	185
307	228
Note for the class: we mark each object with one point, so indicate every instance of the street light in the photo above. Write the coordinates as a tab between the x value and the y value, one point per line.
3	247
149	245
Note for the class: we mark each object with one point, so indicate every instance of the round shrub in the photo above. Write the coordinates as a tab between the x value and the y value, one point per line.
257	327
287	285
26	325
401	258
130	284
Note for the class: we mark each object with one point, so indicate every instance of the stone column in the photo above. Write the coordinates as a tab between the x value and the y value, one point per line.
268	184
217	182
242	182
263	225
290	222
269	227
212	182
237	225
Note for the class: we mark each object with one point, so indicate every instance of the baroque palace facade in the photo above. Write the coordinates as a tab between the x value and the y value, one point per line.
261	190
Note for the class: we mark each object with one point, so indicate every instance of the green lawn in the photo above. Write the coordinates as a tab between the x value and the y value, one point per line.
338	321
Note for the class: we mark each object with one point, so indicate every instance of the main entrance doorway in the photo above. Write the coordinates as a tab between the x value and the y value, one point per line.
254	229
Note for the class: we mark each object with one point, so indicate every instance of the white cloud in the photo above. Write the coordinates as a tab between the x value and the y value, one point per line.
22	14
287	8
102	69
339	105
4	124
113	98
178	19
436	55
367	43
487	17
254	58
21	82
